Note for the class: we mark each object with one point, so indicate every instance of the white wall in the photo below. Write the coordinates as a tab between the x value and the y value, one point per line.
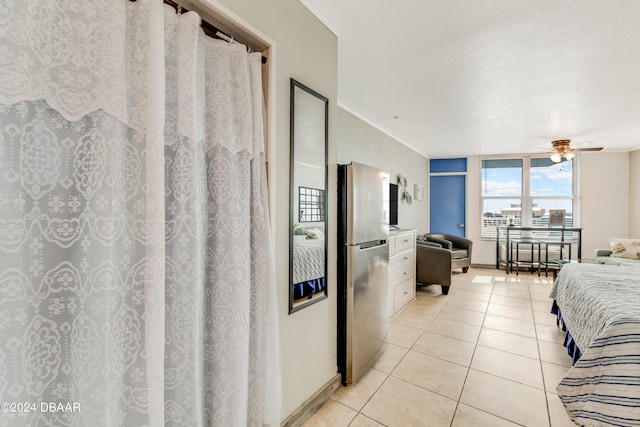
360	142
634	194
605	208
307	52
604	186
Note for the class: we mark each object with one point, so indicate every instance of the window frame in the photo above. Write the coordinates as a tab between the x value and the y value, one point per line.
525	198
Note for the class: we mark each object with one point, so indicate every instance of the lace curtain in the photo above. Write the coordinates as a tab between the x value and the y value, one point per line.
136	270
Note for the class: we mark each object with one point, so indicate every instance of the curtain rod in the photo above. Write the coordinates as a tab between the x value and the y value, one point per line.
208	29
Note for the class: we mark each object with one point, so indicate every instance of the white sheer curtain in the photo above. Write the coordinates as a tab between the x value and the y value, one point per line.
136	275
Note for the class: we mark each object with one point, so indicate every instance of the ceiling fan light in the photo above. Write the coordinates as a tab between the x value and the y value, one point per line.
556	158
569	155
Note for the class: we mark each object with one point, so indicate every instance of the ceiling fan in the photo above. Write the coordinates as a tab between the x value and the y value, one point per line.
563	147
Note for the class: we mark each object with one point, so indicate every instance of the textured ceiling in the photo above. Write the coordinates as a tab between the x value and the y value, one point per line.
459	77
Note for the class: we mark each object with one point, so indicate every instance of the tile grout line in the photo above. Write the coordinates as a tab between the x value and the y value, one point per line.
475	347
437	310
387	375
474	351
544	383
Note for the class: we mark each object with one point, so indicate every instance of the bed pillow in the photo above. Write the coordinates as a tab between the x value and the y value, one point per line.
625	248
315	233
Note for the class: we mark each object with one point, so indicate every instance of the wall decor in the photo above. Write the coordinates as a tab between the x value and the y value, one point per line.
404	192
418	192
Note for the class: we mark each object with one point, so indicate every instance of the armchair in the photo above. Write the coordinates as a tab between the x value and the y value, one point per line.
459	246
433	265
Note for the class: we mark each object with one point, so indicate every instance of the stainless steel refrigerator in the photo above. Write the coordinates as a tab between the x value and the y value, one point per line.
363	268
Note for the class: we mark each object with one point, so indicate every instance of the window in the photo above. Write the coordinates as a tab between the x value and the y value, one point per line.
521	191
311	204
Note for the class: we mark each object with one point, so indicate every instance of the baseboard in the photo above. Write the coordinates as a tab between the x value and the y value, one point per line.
311	405
487	266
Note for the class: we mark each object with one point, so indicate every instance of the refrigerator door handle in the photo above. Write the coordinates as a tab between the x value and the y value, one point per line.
368	245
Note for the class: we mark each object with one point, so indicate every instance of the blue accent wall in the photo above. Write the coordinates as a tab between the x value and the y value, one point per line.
447	165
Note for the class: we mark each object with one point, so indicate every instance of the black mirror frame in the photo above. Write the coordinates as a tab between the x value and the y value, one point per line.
292	194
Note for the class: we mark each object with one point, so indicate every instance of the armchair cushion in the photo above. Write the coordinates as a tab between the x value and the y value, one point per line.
459	253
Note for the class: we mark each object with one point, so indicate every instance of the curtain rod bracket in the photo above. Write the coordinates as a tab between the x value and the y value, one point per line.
179	9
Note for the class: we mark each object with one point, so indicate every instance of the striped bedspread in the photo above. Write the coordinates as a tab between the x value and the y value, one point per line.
600	305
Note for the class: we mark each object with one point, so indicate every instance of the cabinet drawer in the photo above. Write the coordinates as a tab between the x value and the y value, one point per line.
401	260
403	294
400	275
405	241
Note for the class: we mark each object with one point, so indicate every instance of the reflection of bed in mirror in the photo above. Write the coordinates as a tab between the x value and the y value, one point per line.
308	266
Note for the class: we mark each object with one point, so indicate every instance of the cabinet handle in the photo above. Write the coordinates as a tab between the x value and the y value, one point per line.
404	274
405	258
406	241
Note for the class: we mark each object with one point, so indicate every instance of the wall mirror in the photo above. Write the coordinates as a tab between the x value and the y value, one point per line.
308	198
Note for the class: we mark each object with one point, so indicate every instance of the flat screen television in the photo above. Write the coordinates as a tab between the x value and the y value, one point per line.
393	204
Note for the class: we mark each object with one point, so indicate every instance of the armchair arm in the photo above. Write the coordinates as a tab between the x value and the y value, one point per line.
432	244
442	242
602	252
460	242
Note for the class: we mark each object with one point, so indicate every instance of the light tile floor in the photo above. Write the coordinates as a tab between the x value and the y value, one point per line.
488	354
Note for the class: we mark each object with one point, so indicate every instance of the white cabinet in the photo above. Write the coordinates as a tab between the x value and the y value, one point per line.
402	269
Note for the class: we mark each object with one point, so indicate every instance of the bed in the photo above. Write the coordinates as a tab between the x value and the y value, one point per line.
599	305
308	267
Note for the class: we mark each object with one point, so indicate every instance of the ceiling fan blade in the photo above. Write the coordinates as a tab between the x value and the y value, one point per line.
589	149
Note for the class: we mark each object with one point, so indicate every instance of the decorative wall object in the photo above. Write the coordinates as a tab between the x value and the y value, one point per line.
403	190
418	192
